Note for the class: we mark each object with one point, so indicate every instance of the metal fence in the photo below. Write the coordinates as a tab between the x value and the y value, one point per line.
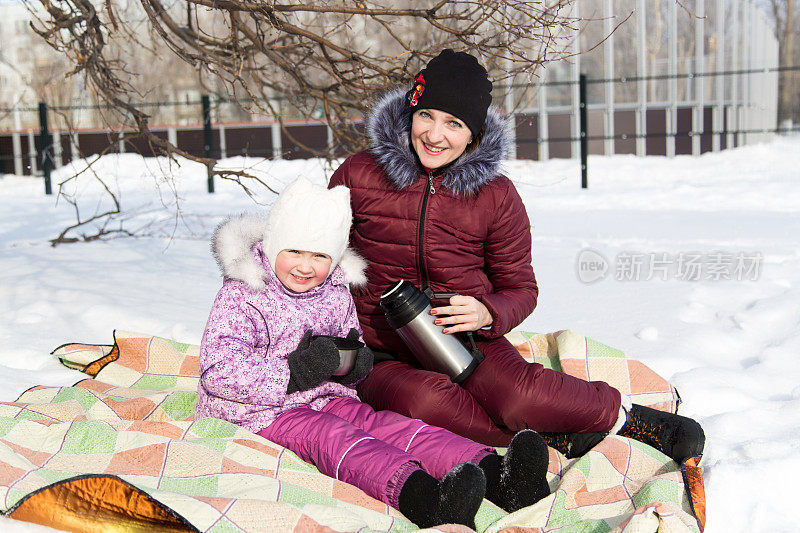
655	129
658	128
548	132
24	153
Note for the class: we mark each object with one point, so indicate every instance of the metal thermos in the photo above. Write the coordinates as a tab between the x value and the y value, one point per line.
407	310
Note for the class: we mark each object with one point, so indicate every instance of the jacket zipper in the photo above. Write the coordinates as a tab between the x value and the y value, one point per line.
420	259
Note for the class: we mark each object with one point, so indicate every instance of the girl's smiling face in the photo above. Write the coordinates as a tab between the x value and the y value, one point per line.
438	138
300	270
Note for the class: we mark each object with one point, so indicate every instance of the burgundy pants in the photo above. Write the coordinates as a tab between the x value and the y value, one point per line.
505	394
375	451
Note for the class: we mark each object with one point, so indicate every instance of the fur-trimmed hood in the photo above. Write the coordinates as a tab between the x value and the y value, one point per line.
232	246
388	128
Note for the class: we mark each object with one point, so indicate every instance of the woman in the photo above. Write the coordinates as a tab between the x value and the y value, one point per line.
431	207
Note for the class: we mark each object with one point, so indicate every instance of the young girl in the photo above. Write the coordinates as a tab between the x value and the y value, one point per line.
264	366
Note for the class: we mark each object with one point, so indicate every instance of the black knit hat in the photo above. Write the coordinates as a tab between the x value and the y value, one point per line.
454	82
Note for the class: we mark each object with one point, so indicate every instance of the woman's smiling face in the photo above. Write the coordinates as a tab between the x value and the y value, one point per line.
438	138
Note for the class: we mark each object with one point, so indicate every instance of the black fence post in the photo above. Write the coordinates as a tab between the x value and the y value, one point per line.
45	157
208	137
584	132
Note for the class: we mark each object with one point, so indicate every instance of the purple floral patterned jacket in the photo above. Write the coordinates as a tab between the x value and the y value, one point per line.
256	322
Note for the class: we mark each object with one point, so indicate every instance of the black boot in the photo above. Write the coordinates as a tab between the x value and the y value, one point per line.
573	444
455	500
519	478
676	436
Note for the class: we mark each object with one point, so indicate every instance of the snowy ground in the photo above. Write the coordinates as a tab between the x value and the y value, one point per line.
669	232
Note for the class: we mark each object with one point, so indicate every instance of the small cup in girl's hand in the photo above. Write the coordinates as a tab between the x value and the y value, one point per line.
348	349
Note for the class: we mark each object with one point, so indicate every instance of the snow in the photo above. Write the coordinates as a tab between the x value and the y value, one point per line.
730	346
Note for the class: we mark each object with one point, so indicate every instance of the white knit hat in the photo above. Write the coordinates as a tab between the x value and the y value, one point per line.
309	217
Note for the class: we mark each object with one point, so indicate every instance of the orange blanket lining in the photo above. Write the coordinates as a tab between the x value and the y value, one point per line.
693	480
98	504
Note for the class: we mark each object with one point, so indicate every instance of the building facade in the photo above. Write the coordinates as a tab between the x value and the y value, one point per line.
666	78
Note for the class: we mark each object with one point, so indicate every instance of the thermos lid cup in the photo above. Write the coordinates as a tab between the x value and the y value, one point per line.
348	349
402	302
347	358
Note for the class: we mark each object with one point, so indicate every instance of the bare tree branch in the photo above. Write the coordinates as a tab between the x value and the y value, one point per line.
330	53
290	59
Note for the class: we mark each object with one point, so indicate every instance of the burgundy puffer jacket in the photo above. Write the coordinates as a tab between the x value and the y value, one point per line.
462	230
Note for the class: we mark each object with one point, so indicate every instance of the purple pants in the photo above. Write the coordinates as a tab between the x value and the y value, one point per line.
375	451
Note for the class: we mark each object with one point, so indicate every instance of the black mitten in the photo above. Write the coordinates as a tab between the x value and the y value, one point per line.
311	363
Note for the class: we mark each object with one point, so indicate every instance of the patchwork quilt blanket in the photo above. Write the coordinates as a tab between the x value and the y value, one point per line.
121	451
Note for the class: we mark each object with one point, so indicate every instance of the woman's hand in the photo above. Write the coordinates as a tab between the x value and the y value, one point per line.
465	314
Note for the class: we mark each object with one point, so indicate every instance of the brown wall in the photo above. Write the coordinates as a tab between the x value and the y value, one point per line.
66	148
683	141
625	124
26	161
559	127
255	141
706	139
294	144
137	145
192	140
527	130
97	143
656	142
6	155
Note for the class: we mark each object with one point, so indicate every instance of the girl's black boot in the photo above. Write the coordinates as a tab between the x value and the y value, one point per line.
519	478
454	500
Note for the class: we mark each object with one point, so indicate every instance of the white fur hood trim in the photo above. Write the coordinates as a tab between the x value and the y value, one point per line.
234	238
